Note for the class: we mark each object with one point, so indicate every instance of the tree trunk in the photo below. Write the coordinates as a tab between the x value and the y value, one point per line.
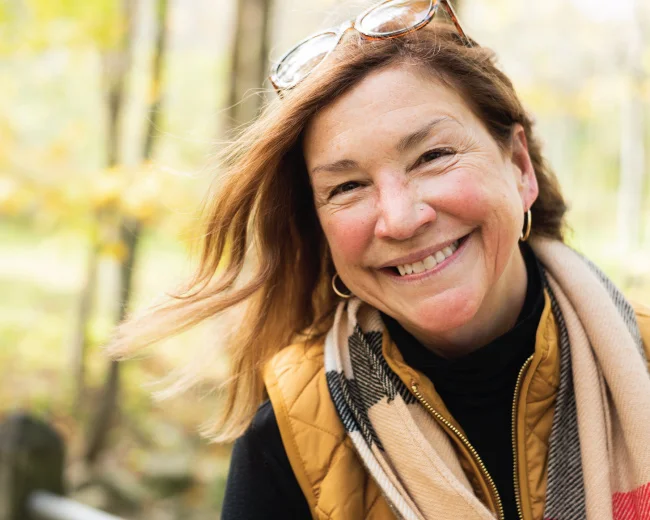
108	406
84	311
116	64
633	157
249	65
130	232
156	77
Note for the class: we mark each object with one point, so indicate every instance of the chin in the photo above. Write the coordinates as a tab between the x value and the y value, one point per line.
446	312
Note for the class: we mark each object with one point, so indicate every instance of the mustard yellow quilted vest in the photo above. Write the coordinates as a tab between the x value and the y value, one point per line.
325	463
323	459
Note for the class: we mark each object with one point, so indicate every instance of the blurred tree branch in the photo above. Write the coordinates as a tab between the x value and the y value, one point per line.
249	65
116	62
130	230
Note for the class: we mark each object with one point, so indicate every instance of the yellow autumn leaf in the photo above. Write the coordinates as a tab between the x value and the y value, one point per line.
116	250
14	198
106	188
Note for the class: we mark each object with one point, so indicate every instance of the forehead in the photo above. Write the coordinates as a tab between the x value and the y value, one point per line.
383	105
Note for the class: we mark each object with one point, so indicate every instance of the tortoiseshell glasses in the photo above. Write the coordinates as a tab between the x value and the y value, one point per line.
387	19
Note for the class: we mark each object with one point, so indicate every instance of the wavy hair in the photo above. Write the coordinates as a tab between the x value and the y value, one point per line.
261	213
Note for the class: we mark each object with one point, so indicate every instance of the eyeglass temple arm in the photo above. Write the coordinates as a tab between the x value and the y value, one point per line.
452	14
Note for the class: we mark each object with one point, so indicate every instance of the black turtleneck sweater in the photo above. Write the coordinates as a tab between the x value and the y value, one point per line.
478	389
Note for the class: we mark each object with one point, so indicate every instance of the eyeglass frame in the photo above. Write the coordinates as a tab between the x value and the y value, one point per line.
354	24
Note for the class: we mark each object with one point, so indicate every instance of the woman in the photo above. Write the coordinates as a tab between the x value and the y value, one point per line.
421	342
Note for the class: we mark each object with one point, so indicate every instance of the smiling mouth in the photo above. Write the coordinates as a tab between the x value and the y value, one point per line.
430	262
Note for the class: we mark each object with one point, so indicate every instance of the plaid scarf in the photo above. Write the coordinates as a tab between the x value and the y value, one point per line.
599	448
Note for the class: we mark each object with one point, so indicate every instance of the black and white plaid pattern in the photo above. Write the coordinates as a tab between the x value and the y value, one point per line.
373	380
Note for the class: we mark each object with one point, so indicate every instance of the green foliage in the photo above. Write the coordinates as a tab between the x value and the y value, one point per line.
36	25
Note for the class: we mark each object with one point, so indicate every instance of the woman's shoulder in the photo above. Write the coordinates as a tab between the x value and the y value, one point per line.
296	371
298	361
299	351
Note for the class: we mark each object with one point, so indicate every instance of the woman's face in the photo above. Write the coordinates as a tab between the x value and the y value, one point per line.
421	209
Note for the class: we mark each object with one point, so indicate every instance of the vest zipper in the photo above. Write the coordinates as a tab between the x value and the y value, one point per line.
515	403
466	443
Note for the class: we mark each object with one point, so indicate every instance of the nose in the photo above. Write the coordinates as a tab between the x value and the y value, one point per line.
402	213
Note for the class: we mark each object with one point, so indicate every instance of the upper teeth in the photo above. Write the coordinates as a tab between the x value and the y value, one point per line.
429	262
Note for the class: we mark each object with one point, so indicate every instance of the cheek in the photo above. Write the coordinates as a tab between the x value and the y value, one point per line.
349	234
483	197
469	198
493	203
462	195
479	195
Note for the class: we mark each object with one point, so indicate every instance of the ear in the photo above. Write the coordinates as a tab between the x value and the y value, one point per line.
523	167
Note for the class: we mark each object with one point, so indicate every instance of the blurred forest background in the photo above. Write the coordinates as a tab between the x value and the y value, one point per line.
110	111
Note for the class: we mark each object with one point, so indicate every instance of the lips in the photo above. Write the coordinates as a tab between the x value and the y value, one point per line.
429	263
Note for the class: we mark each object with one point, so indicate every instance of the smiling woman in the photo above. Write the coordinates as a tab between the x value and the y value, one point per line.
397	203
419	343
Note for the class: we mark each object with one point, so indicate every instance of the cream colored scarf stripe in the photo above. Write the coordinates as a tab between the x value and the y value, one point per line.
611	388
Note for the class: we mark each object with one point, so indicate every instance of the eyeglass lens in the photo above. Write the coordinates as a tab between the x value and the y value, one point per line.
304	58
395	16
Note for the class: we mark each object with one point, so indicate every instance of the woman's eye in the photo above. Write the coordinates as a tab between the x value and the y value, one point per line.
432	155
345	187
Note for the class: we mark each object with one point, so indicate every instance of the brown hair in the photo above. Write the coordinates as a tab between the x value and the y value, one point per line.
264	200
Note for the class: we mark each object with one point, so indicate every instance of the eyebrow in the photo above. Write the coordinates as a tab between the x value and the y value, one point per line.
338	166
415	138
406	142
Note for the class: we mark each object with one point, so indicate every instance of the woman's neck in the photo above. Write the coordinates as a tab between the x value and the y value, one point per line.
497	314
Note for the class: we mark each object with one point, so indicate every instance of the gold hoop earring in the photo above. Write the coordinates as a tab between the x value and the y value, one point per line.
337	291
528	224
